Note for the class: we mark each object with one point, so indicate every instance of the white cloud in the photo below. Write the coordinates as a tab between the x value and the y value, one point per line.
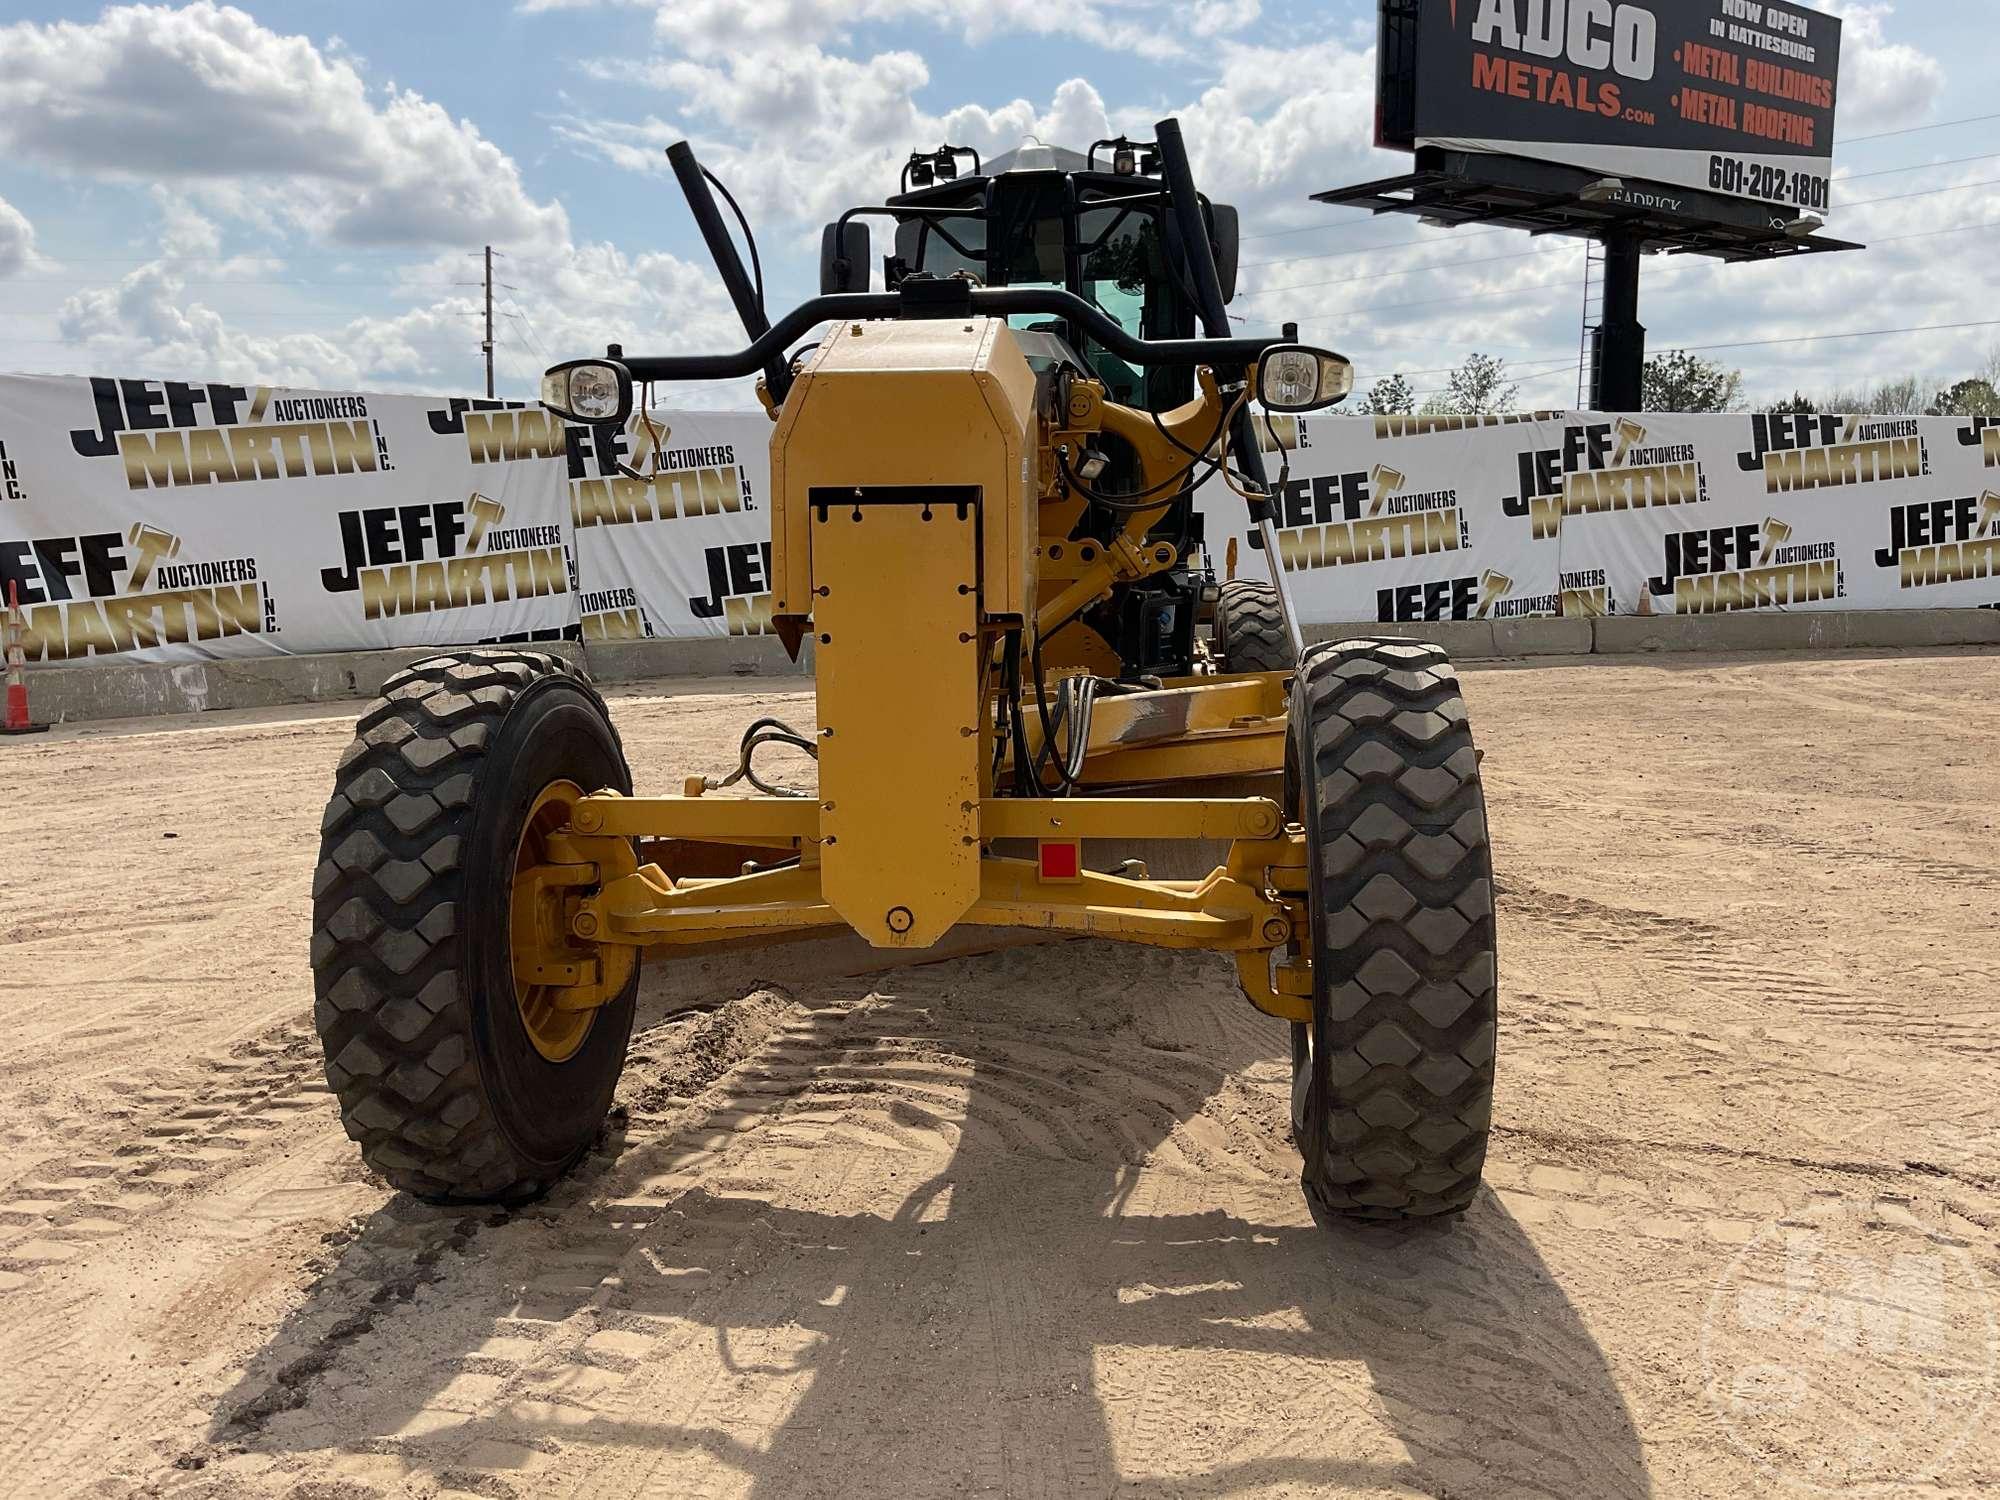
779	102
257	123
1281	124
149	325
720	28
184	232
1217	17
234	126
1883	84
799	134
17	239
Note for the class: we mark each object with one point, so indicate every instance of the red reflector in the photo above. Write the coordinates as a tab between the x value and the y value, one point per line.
1061	861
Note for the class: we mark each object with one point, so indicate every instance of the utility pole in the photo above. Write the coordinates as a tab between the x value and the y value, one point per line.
487	347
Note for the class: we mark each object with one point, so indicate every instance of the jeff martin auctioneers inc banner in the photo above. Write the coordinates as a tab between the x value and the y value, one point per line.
175	521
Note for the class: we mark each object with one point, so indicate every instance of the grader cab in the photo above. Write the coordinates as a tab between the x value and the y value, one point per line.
1026	676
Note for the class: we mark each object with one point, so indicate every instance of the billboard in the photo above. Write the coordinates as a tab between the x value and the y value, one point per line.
1730	97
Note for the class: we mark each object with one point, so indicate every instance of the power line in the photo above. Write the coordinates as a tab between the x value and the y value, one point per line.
1925	234
1709	265
1922	166
528	323
1372	308
1371	249
1814	338
1962	187
1883	135
1534	368
1447	265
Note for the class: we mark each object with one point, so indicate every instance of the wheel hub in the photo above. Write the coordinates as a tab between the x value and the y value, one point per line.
560	981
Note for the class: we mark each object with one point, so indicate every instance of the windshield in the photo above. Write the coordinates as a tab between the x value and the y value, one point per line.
948	246
1125	273
1114	258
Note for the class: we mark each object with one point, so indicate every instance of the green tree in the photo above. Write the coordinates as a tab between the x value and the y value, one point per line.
1681	381
1389	396
1477	388
1969	398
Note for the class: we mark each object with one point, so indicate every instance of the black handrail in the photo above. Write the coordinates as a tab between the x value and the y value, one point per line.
998	302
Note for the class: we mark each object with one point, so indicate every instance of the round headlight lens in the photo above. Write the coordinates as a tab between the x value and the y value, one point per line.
1291	379
593	392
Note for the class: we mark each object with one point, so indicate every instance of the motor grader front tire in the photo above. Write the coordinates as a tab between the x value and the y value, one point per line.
1393	1080
460	1085
1250	634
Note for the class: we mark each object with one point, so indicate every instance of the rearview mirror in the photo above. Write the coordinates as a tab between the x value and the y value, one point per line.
589	390
843	258
1299	378
1227	237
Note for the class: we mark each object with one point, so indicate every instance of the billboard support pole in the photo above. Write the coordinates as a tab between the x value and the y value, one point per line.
1621	350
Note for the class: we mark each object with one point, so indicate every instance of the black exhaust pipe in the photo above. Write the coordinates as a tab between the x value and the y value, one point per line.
735	279
1198	259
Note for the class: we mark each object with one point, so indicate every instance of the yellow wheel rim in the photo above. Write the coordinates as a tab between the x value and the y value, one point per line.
556	1030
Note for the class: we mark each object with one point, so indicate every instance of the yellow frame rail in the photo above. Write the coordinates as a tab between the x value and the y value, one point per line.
1250	906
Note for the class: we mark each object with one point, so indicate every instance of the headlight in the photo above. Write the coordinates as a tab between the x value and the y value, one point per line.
1296	378
589	390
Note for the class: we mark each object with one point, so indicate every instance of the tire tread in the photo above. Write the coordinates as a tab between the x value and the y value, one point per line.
389	1007
1250	632
1404	973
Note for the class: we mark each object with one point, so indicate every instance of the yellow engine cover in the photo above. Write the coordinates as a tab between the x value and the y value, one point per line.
928	401
902	473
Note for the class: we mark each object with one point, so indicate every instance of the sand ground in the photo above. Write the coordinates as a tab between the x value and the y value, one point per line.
1028	1224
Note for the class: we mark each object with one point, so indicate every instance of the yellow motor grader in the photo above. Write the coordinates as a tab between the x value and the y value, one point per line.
1027	676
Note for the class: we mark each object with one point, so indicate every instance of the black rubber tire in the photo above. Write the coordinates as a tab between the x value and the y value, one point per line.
1393	1112
1250	633
414	1000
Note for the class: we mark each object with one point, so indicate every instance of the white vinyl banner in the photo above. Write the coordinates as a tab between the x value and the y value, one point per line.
161	520
684	548
180	520
1796	512
1400	519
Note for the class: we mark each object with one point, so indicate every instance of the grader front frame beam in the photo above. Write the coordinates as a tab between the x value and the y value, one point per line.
1250	906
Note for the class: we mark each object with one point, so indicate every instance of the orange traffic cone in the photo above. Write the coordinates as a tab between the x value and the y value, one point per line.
17	721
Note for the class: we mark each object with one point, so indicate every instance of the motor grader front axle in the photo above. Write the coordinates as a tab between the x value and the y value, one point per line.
592	903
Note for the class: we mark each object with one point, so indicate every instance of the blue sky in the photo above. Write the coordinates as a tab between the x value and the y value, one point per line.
291	192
